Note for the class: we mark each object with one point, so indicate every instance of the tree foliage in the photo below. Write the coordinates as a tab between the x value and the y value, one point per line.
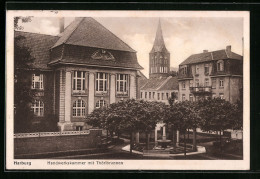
23	95
128	116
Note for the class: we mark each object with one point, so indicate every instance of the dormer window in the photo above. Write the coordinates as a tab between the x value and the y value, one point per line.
220	65
206	68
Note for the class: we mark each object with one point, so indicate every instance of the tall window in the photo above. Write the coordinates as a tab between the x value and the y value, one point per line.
38	108
167	95
122	83
145	95
100	103
101	82
79	108
79	81
206	82
206	68
183	85
197	82
220	65
221	83
191	97
191	83
153	95
184	70
141	94
158	96
37	81
197	69
183	97
213	81
150	95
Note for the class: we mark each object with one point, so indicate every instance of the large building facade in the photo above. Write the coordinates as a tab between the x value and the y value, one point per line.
211	74
83	68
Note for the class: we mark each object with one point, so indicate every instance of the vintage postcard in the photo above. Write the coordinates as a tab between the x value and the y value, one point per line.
127	90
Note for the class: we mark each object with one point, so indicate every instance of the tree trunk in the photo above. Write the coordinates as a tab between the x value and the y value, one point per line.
173	137
131	142
194	139
185	143
107	135
188	134
220	141
147	140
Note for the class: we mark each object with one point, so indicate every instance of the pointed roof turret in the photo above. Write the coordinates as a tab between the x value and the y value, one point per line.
159	45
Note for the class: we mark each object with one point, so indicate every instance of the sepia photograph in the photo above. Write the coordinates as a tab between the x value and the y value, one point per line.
116	90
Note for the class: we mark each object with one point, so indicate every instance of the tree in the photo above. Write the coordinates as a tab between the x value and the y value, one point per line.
128	116
217	115
172	99
22	88
23	20
180	115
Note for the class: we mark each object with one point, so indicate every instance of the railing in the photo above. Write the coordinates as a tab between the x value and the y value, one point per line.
47	134
201	89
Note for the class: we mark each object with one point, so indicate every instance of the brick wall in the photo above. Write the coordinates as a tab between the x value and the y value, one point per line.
36	145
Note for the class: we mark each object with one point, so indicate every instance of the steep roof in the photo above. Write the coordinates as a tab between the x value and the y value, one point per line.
210	56
142	80
39	45
86	31
165	83
171	84
159	45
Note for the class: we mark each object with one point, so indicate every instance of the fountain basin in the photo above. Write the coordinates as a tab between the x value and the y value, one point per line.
163	143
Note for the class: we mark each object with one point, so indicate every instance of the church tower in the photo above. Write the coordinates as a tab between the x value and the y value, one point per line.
159	56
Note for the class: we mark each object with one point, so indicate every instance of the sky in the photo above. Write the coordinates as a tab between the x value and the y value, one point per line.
183	36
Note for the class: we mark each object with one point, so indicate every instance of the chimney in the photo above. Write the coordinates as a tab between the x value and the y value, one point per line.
228	48
205	51
61	24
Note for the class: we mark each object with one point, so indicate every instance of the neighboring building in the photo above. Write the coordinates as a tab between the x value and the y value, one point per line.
159	89
83	68
160	85
211	74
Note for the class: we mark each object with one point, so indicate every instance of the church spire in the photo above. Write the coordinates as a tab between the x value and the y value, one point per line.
159	45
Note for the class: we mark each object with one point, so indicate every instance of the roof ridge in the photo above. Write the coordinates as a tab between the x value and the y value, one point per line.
113	34
36	33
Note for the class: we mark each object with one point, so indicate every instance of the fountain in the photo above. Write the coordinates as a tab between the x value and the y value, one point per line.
164	142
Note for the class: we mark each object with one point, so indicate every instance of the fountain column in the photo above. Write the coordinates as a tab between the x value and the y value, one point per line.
164	133
178	138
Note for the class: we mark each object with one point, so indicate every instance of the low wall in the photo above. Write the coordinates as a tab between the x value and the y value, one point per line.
47	142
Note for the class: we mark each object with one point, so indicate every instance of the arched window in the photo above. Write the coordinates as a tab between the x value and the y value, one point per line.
38	108
100	103
220	65
79	108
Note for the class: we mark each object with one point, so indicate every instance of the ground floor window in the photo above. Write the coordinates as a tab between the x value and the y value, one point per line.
100	103
183	97
38	108
79	128
79	108
221	95
191	97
